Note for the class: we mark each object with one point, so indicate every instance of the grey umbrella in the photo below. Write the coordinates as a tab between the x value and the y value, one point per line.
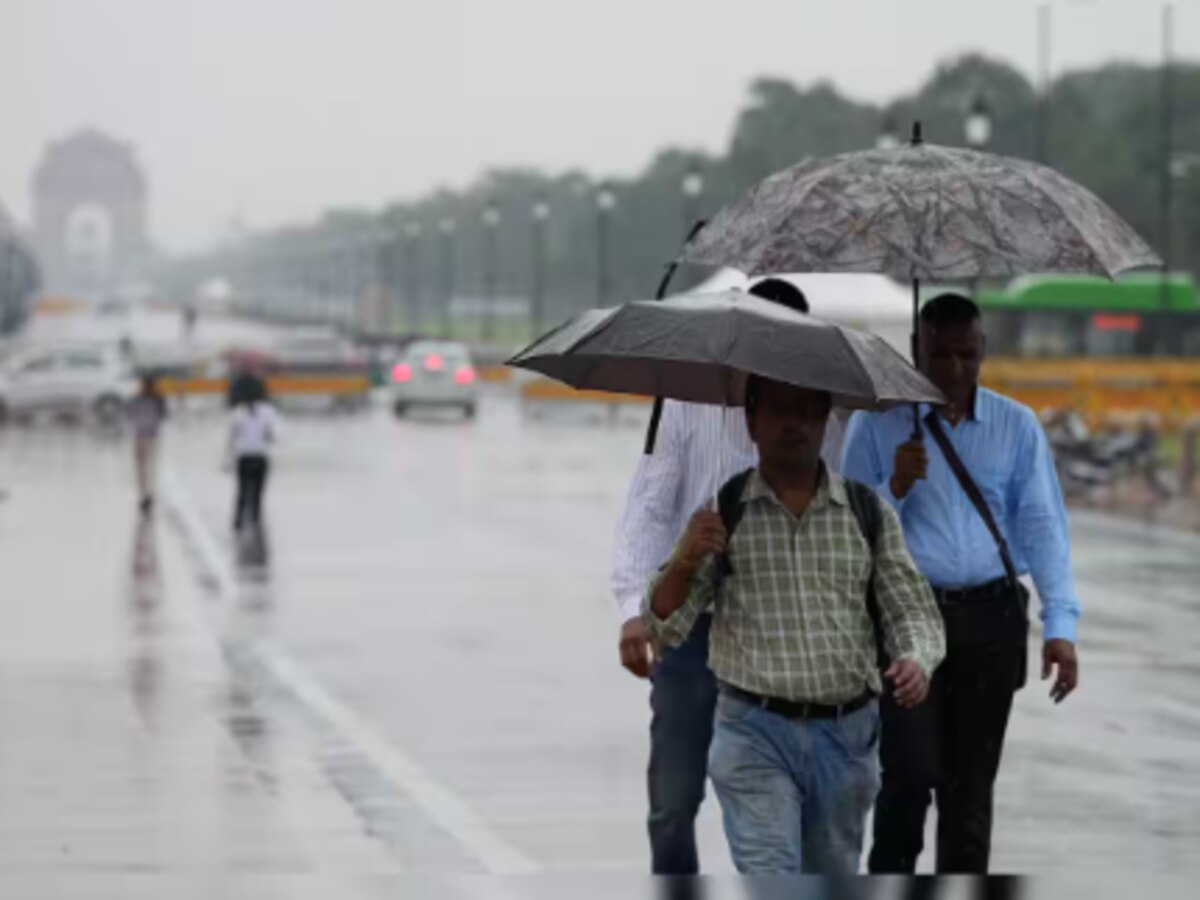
700	348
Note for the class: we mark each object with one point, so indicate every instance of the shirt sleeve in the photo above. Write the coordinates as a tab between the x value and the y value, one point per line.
912	625
1036	503
645	535
863	460
674	630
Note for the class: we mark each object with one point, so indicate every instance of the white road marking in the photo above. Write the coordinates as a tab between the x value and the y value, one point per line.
443	806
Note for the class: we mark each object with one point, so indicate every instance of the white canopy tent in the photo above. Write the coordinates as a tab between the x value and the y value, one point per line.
871	303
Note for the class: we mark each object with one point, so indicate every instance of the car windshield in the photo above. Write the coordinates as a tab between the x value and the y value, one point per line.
451	354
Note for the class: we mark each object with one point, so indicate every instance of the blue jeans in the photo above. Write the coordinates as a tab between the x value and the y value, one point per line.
683	695
794	793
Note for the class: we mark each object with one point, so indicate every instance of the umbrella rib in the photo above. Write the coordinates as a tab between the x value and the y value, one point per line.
812	179
1032	176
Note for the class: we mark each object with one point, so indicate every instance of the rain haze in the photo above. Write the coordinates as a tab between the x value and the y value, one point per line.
270	111
514	448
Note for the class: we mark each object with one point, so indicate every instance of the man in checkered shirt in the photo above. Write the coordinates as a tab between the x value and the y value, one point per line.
794	757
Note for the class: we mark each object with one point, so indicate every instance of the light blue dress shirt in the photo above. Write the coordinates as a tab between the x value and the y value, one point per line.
1004	448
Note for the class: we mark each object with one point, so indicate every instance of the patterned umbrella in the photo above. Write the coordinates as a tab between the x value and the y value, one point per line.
921	211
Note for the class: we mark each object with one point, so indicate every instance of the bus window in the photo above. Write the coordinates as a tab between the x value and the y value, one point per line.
1051	334
1003	328
1116	334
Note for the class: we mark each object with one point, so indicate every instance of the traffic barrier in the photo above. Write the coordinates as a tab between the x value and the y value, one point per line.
545	390
282	385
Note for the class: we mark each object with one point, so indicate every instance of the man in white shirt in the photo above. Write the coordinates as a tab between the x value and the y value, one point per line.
698	449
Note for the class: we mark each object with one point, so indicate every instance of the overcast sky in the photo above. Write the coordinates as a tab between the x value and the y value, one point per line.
271	110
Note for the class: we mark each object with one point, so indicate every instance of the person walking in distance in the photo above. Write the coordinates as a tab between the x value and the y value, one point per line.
147	411
699	447
980	503
253	431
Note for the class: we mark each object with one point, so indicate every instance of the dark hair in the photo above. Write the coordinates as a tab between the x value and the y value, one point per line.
949	310
754	386
783	292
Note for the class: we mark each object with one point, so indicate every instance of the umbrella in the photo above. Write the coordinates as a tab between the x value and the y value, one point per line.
701	347
920	211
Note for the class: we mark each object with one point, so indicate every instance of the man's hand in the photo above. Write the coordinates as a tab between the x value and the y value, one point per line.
911	466
637	653
1060	654
910	682
705	536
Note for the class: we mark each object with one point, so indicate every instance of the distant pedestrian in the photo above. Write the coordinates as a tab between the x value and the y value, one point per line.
253	431
147	411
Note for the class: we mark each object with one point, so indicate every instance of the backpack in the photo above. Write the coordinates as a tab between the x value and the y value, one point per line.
864	503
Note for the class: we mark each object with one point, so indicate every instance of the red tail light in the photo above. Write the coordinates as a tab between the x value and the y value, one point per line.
402	373
464	376
434	363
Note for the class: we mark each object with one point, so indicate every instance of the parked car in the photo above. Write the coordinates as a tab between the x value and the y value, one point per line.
435	374
85	380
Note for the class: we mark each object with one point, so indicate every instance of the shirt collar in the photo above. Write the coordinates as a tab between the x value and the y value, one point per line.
980	407
830	487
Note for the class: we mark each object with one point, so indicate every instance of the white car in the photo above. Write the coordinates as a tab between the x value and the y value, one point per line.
84	380
435	374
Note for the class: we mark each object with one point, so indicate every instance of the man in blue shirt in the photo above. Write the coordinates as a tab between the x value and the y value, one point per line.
950	746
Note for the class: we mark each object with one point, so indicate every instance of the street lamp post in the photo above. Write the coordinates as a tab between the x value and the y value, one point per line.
693	190
1166	176
491	224
978	125
1041	118
537	294
447	227
412	274
605	202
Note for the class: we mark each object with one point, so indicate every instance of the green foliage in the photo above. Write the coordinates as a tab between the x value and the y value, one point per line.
1099	127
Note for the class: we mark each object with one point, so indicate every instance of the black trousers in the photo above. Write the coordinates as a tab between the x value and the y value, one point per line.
251	480
949	747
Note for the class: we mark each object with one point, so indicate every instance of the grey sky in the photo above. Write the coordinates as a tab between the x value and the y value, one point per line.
275	109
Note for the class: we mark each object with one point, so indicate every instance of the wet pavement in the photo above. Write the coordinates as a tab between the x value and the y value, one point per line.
415	674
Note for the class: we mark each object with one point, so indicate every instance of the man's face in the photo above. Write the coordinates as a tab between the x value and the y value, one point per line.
788	425
951	356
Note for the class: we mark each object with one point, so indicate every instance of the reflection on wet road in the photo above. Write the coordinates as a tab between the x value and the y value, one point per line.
414	671
447	582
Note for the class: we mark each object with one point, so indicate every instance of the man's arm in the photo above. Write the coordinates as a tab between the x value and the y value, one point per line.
686	587
865	461
645	535
912	625
646	530
1041	533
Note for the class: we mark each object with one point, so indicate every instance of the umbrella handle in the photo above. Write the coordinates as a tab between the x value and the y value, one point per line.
656	413
916	322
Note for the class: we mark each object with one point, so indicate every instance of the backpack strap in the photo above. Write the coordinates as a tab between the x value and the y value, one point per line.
864	503
730	508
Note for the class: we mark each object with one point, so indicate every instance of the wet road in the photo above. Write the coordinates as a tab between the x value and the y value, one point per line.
447	582
427	657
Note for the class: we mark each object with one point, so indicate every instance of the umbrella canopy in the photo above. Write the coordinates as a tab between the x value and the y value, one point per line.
701	347
920	211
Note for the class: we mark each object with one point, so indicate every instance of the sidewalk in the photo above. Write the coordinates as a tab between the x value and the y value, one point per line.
132	762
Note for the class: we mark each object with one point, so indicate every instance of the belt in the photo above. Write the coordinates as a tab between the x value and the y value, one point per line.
792	709
993	590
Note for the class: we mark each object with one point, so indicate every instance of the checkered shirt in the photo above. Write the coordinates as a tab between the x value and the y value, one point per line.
791	621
